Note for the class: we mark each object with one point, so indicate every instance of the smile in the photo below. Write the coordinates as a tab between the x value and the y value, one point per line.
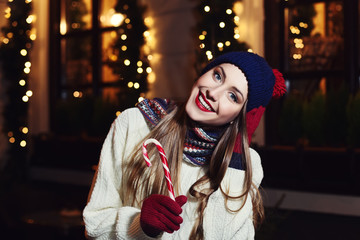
203	104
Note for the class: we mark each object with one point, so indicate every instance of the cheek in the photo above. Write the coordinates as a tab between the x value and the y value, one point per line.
230	112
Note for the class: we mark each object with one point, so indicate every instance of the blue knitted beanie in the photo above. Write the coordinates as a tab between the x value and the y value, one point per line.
258	73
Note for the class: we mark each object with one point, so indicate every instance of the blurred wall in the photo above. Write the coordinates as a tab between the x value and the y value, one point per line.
39	78
173	47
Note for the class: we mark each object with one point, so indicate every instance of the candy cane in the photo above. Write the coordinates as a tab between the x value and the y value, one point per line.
164	162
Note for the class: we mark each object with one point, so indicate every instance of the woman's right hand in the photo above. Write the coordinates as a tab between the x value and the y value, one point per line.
160	213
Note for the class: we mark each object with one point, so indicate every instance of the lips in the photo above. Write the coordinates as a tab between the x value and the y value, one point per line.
202	103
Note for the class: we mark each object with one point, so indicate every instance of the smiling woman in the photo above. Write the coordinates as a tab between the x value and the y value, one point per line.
214	171
218	95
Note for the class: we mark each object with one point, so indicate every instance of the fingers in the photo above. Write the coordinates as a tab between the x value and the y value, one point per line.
161	213
181	200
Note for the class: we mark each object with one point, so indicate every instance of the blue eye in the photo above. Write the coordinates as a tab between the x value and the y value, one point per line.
217	76
233	97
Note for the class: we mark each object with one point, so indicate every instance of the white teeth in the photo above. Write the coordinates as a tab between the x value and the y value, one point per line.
202	101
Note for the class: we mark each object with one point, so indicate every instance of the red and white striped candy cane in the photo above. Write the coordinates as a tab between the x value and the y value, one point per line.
164	163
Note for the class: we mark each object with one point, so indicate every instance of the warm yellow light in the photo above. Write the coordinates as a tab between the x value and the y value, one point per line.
75	25
297	56
33	36
250	50
63	27
299	45
10	35
11	0
116	19
220	45
148	70
27	64
117	113
25	130
140	99
151	77
149	21
127	62
201	37
139	63
5	40
8	12
130	84
294	30
77	94
136	85
25	98
28	1
127	20
227	43
236	36
123	37
303	25
29	93
124	48
12	140
209	55
113	57
146	34
23	52
222	24
27	70
22	82
228	11
236	19
207	9
140	70
23	143
202	46
150	57
30	19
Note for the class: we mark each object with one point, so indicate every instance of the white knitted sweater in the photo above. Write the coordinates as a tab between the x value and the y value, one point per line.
106	218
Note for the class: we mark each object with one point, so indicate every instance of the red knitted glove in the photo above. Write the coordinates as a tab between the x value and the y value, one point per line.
160	213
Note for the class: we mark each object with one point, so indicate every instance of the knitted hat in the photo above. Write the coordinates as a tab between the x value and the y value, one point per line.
263	83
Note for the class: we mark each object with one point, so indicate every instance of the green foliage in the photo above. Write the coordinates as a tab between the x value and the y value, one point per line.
353	117
290	125
302	14
335	119
324	120
12	65
89	116
313	119
133	28
208	25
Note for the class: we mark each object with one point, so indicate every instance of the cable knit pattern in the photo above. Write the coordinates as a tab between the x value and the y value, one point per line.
105	216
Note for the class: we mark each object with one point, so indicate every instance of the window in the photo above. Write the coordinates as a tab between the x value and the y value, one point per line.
98	66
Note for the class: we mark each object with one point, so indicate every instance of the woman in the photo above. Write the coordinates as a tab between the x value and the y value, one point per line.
215	174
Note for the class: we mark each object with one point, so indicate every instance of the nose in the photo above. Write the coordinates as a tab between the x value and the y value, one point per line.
213	93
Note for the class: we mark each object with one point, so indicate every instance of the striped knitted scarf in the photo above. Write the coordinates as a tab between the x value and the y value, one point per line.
199	142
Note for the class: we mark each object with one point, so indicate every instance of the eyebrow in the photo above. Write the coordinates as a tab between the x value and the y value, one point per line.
235	88
222	71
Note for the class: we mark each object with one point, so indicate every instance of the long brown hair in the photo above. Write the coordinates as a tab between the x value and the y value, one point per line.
142	181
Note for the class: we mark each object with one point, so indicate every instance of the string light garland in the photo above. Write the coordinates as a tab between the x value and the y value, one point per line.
218	30
128	59
15	46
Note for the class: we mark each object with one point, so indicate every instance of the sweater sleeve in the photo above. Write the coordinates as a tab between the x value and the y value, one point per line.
105	216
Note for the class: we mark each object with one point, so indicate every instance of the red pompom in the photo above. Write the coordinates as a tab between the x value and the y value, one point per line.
279	87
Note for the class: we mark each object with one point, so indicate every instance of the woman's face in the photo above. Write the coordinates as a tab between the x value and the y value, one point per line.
218	96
